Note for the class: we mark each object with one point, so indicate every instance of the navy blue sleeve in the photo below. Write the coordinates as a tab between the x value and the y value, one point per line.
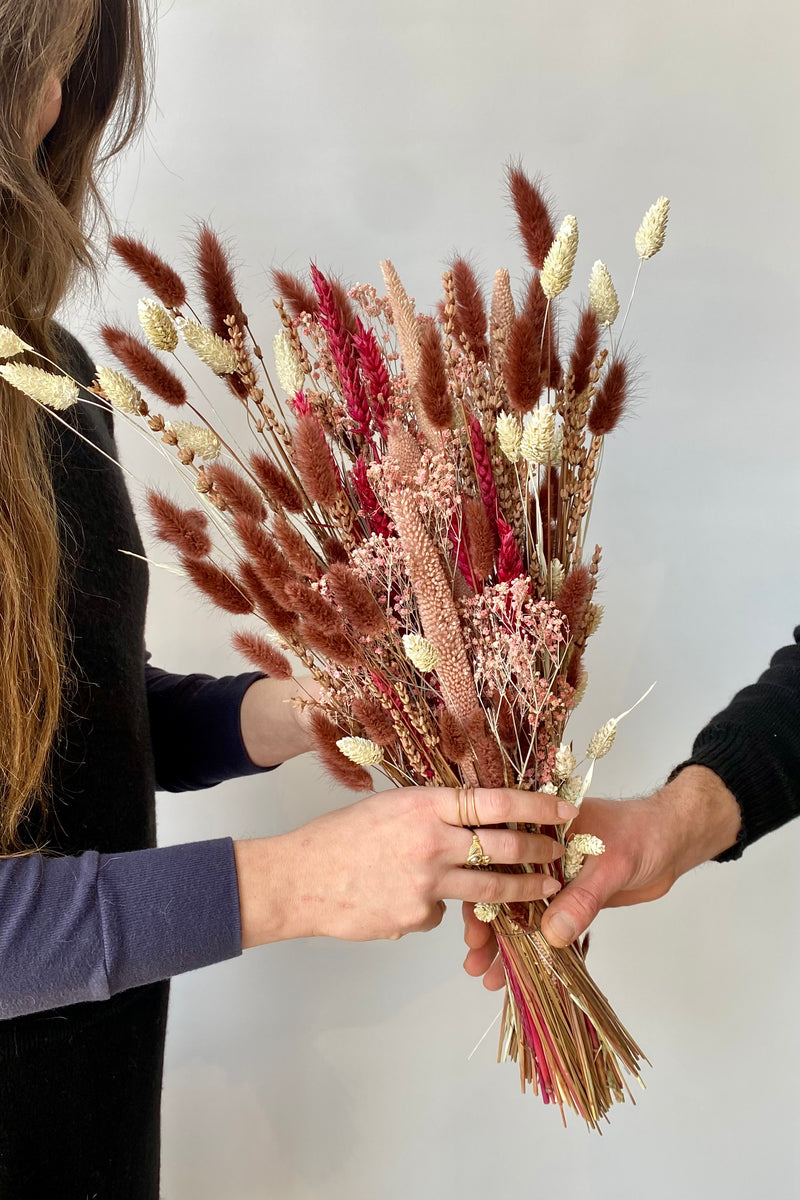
195	729
89	926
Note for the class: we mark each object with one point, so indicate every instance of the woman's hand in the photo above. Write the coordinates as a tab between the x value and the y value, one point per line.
650	842
383	867
274	728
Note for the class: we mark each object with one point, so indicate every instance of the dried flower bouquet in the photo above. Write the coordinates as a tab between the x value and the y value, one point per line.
409	517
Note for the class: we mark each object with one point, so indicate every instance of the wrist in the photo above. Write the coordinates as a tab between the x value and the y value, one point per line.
269	890
706	815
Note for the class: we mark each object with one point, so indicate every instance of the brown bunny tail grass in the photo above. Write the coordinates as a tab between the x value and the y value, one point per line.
531	361
266	559
453	739
313	607
335	645
184	528
471	321
316	464
345	772
218	586
377	723
262	654
215	273
295	547
432	386
333	550
299	297
238	494
282	620
156	274
356	601
574	596
610	403
481	537
536	228
146	368
276	484
584	352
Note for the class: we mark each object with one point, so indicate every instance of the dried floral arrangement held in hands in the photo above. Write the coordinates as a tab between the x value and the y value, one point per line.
409	517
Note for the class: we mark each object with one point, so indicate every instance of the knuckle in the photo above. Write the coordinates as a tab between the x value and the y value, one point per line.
494	806
584	903
492	887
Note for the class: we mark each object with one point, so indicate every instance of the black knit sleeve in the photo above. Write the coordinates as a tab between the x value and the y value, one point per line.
754	747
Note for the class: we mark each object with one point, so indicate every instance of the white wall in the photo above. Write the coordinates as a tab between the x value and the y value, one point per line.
353	131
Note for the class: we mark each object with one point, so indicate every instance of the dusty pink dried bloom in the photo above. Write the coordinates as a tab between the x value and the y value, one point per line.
355	600
343	352
316	464
375	374
276	484
509	564
295	547
470	320
217	585
432	386
263	655
187	529
348	773
238	494
376	517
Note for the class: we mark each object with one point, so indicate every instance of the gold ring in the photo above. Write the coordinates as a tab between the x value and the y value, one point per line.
458	802
476	857
471	796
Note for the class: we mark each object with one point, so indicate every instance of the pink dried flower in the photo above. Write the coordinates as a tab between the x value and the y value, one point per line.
534	216
375	374
238	494
432	385
187	529
295	547
483	467
376	517
587	341
217	585
509	566
140	362
355	600
348	773
296	295
376	721
156	274
470	319
276	484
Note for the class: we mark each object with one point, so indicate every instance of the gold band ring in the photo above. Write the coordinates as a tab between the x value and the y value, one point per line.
476	857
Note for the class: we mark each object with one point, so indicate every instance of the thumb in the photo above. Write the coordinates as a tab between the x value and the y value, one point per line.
573	910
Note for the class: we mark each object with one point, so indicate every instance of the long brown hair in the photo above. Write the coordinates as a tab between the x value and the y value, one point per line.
49	205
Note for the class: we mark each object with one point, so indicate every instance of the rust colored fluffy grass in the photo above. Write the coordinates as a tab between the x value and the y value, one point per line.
217	282
336	646
535	220
548	495
348	773
218	586
267	560
316	464
282	620
347	313
356	601
528	365
377	723
333	550
432	385
238	494
574	596
276	484
471	320
184	528
298	297
147	369
263	655
313	607
295	547
609	405
584	352
575	670
481	538
156	274
452	736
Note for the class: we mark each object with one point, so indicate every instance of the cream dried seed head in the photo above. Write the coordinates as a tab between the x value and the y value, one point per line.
537	436
652	231
422	653
290	373
557	576
603	298
579	847
580	690
594	616
201	440
361	750
571	790
565	762
509	436
603	740
548	789
213	350
486	912
11	344
53	391
558	441
120	391
560	259
157	325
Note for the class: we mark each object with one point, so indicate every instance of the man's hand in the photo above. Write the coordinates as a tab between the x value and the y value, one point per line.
650	843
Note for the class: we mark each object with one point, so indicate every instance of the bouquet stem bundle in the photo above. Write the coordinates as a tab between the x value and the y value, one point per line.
408	513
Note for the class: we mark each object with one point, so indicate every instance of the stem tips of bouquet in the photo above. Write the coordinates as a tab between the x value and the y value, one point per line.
408	512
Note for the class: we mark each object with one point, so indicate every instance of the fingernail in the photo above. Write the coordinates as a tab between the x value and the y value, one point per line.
567	812
560	928
550	886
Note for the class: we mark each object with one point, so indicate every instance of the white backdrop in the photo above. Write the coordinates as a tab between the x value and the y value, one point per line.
353	131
